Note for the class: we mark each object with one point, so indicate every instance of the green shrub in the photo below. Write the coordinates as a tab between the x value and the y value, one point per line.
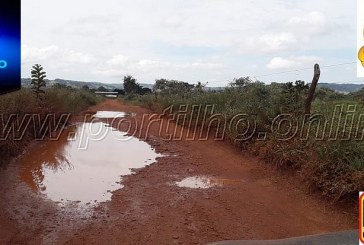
57	99
335	167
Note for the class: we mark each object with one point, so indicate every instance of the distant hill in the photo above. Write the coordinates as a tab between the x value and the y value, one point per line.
343	88
79	84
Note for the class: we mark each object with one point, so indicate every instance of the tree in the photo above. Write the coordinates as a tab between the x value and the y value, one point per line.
144	91
293	96
172	86
85	87
131	86
241	82
38	80
119	91
160	85
325	94
61	86
200	87
102	89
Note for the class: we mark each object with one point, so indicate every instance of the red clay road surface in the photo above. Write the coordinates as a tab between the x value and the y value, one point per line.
256	201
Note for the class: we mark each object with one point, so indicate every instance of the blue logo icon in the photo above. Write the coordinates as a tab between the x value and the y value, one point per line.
3	64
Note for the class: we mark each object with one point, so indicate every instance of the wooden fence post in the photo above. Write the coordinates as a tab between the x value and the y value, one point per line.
311	91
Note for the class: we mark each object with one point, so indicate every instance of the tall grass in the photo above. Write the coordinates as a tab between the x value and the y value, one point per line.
56	100
68	100
335	167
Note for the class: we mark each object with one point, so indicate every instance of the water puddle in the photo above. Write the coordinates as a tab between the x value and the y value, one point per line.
85	164
109	114
205	182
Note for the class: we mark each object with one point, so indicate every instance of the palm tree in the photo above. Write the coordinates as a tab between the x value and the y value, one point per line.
38	79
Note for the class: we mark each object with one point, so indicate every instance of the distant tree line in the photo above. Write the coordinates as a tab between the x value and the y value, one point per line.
132	87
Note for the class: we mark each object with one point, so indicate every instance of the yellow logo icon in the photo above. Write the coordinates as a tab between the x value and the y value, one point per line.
361	55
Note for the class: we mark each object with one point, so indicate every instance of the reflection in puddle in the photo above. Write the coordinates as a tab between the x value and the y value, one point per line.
112	114
65	170
204	182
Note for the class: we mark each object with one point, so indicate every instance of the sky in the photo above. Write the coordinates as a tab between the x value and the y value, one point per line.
190	40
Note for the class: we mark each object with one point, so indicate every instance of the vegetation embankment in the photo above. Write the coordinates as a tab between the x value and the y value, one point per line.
38	111
327	148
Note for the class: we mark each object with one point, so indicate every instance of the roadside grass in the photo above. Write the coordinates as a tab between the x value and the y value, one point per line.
68	100
56	100
325	150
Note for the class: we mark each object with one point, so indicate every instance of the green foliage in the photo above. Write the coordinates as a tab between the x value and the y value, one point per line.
19	103
286	154
66	99
335	167
241	82
327	94
349	153
119	91
101	89
171	87
38	79
131	87
200	87
293	97
358	96
144	91
57	99
85	87
339	170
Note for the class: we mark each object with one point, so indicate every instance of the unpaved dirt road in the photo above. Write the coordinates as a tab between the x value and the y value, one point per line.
257	203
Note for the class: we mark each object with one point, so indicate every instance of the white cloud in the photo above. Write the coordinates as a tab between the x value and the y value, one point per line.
277	42
96	41
37	55
291	35
206	65
147	65
109	73
172	22
308	25
72	56
292	62
269	43
118	60
151	63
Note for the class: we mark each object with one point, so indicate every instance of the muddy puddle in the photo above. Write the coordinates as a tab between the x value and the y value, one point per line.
205	182
85	164
112	114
